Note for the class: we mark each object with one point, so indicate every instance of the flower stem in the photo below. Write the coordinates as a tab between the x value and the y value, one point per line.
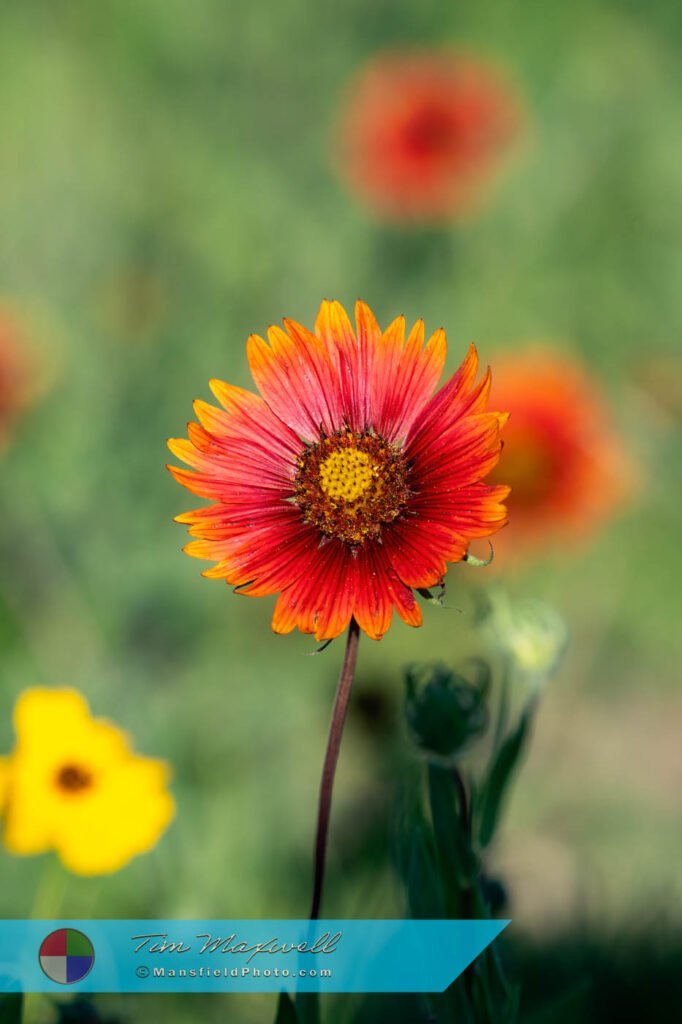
47	903
50	890
330	759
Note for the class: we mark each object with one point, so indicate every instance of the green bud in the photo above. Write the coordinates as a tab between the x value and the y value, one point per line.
530	633
445	712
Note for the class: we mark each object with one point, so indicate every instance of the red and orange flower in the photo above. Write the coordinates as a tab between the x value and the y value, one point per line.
423	133
565	463
346	486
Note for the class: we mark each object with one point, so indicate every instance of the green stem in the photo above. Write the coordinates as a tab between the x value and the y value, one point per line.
503	708
47	903
49	894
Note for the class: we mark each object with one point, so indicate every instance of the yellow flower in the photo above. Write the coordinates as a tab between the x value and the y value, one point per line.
72	784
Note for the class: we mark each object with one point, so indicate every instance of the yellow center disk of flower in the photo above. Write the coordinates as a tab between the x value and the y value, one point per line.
346	474
350	485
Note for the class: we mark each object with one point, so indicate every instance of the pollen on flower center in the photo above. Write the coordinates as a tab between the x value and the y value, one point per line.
72	778
346	474
350	484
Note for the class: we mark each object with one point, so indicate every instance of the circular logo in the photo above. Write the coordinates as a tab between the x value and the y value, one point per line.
66	956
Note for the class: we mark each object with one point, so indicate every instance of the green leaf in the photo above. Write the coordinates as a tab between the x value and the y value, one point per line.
307	1009
479	563
499	776
10	1008
286	1011
432	598
416	861
513	1004
458	861
456	1003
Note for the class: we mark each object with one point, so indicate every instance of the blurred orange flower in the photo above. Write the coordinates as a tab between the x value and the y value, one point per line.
15	370
423	132
348	483
567	467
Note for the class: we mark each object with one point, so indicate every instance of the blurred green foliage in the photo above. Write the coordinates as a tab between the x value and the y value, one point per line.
166	188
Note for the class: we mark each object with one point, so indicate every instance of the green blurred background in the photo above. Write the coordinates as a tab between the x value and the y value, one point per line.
166	188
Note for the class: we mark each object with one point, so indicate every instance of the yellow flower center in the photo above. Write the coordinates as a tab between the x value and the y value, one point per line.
346	474
349	485
73	778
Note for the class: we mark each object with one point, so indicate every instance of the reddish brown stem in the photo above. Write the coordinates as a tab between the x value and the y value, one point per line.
330	760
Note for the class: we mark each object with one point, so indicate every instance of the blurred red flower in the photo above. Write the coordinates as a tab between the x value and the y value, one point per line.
423	132
14	375
566	465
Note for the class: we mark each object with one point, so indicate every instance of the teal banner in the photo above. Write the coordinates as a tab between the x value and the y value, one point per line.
239	956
